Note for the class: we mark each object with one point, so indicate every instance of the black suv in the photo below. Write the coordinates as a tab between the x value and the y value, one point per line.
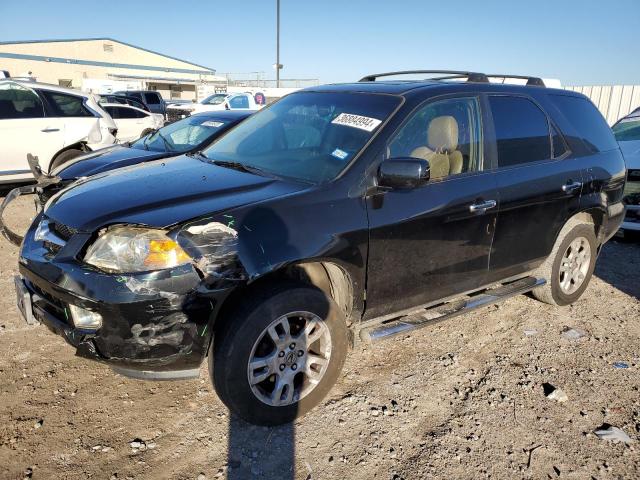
339	213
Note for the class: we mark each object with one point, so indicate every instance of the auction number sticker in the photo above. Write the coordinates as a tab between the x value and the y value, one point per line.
357	121
212	123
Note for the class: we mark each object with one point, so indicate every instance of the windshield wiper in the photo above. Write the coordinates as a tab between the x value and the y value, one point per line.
241	167
199	155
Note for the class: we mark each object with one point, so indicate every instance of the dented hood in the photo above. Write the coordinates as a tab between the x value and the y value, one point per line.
161	193
105	159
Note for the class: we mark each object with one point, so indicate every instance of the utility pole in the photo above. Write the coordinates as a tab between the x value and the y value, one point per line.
277	65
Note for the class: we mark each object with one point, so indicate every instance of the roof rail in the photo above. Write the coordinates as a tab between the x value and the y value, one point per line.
453	74
470	76
531	81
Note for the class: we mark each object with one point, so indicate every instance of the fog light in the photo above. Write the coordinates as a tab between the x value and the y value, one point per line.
85	319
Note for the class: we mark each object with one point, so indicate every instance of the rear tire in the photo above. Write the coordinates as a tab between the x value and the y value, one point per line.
278	354
569	267
64	157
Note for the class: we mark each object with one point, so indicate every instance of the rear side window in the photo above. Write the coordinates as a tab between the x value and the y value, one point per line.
63	105
586	120
19	102
522	131
124	112
152	98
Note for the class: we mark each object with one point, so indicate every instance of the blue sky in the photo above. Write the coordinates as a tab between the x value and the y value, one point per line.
580	42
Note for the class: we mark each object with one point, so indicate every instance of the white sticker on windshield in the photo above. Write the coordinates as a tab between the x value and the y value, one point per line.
357	121
212	123
341	154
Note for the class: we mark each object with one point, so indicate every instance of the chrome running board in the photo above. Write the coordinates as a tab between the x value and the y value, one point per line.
450	309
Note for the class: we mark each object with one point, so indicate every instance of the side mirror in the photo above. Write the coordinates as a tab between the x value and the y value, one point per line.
403	173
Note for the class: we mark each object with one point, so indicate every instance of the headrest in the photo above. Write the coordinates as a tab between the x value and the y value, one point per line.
442	134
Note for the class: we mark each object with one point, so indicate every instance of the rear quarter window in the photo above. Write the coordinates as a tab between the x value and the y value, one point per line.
63	105
587	124
522	131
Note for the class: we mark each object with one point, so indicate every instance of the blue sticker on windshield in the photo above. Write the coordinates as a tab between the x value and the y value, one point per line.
341	154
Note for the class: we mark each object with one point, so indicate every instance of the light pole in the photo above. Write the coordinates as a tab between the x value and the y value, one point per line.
278	65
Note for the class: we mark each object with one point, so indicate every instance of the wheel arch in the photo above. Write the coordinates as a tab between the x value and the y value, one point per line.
82	145
595	216
330	277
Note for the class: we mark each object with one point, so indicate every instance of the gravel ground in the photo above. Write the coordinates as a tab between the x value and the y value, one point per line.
461	399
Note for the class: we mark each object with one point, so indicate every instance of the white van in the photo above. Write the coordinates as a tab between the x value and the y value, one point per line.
53	123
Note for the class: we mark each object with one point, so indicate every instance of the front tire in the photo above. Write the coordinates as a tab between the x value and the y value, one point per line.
569	267
279	354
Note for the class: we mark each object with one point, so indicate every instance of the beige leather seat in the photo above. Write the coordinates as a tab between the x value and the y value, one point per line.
441	149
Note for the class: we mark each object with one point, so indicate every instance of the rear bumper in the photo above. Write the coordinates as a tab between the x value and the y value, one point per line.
631	218
615	217
154	325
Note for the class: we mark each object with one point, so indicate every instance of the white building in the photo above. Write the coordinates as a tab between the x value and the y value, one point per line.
104	65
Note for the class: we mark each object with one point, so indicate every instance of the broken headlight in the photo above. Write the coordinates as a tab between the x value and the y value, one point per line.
126	249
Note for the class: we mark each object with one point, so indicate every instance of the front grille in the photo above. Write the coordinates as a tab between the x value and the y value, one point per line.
62	230
55	307
176	114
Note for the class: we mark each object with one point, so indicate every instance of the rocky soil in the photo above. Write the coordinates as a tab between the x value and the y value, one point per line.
512	391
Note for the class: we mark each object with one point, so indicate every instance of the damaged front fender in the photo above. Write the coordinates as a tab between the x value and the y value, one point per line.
43	181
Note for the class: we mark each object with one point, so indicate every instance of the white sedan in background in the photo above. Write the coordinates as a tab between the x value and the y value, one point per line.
217	101
53	123
132	122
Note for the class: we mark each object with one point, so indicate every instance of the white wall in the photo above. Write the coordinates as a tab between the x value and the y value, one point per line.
613	101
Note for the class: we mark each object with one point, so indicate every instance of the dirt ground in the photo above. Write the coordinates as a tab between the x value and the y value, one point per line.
461	399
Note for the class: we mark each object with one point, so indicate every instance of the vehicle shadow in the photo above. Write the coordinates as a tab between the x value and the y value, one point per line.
619	266
260	452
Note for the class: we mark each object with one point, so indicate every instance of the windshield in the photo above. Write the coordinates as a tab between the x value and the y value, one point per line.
310	136
182	135
627	129
216	99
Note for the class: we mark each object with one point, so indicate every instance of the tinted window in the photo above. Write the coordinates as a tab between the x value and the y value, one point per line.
114	112
587	122
241	101
152	98
447	133
139	105
124	112
522	131
64	105
19	102
132	94
627	129
558	143
331	129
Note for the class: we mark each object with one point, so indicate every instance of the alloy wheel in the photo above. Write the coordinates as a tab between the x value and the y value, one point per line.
289	358
574	265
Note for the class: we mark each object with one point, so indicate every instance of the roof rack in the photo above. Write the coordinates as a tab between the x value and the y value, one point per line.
454	74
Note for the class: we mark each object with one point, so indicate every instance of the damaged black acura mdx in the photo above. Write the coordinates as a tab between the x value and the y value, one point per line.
339	213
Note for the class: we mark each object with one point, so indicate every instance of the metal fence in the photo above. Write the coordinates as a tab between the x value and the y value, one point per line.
284	82
613	101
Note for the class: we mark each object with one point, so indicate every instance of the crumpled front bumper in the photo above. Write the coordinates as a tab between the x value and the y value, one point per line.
155	325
